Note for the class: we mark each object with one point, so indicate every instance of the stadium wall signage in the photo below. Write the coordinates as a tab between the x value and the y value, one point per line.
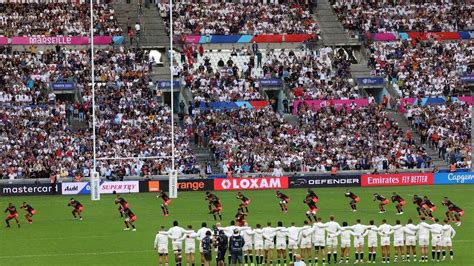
3	40
265	38
29	189
253	183
370	81
467	79
183	185
318	104
408	179
459	178
393	36
166	84
324	181
108	187
61	40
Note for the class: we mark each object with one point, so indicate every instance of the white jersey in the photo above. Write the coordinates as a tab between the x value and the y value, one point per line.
398	232
229	230
248	234
372	236
202	233
411	232
305	237
319	231
332	228
447	235
268	237
346	234
258	238
190	241
436	232
359	234
384	231
176	233
161	242
281	234
424	230
293	233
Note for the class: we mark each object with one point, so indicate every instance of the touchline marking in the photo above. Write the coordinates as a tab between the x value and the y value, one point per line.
62	238
75	254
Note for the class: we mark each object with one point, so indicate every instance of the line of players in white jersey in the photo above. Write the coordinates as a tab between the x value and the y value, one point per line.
325	237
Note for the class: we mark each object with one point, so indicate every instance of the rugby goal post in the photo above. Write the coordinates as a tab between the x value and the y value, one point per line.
95	186
173	184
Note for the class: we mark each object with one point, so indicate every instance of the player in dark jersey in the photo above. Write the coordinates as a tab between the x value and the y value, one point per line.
12	214
244	201
78	208
457	213
382	202
313	209
312	195
284	200
400	202
446	202
29	212
354	200
418	201
216	209
123	204
240	218
166	201
429	207
210	197
130	218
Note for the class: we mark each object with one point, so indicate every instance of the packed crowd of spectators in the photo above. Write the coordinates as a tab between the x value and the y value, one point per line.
250	140
37	135
426	68
446	128
56	19
224	17
405	15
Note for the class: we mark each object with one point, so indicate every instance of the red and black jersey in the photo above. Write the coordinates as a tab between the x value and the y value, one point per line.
397	198
311	204
211	197
121	201
74	203
242	198
428	203
164	196
454	208
282	196
418	201
312	195
11	210
240	216
27	207
350	195
379	197
447	202
129	212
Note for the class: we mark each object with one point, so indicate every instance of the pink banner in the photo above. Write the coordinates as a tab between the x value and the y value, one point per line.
193	38
60	40
410	101
384	37
3	40
317	104
101	40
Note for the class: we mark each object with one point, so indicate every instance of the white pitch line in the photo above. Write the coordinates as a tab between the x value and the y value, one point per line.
75	254
62	238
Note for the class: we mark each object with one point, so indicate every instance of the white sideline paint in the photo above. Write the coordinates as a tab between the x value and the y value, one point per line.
75	254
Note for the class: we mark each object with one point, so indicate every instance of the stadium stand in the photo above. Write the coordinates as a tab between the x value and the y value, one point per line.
56	19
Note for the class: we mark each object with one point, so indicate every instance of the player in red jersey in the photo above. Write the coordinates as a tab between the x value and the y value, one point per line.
123	204
216	209
400	202
456	212
429	207
383	201
210	197
354	199
130	218
418	201
244	201
13	214
312	195
29	212
446	202
284	200
313	209
240	218
78	208
166	201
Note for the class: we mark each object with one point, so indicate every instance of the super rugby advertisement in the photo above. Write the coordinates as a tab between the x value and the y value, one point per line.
84	188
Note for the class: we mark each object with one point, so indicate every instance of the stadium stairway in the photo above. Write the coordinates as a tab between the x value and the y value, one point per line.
402	122
204	155
332	32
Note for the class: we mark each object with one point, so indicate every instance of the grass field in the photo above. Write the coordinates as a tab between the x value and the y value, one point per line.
56	239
